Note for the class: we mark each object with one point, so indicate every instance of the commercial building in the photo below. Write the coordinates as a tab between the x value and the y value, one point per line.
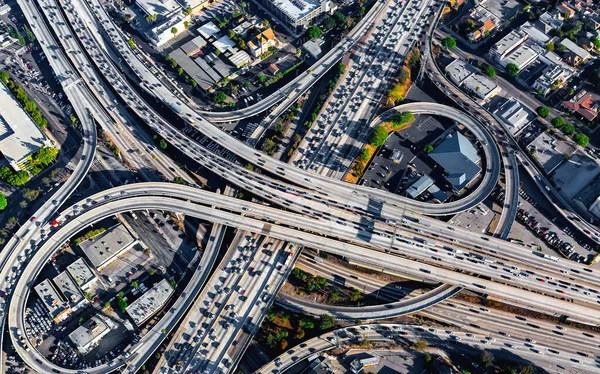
89	334
459	159
168	16
553	77
245	26
515	115
208	30
485	21
534	34
104	248
297	15
150	302
595	208
19	135
507	44
419	186
549	152
585	104
359	365
195	5
223	44
522	56
70	291
82	274
313	48
262	42
4	9
467	76
239	58
576	55
57	307
194	46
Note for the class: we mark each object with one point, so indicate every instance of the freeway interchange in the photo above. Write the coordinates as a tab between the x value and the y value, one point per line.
378	229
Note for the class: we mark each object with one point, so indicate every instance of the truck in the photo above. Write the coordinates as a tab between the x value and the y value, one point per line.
318	259
455	251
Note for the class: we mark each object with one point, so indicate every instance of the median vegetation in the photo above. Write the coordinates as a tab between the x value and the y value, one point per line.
89	235
37	162
378	137
29	106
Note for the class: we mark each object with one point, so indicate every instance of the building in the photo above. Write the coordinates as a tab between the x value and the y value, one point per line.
150	302
194	46
553	77
106	247
261	43
19	135
419	186
239	58
534	34
524	55
245	26
57	307
82	274
162	8
578	55
515	115
70	291
507	44
438	195
595	208
168	16
89	334
4	9
565	11
549	152
585	104
208	30
297	15
459	159
224	44
195	5
313	48
547	22
358	365
467	76
485	21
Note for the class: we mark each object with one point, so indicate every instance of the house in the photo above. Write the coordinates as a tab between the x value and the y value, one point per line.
482	30
262	42
565	11
575	54
554	76
485	22
547	22
584	103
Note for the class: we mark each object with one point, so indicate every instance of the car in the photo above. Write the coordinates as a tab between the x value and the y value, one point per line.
530	340
33	219
561	328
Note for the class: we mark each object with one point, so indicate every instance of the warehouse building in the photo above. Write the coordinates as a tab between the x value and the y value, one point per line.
467	77
88	335
516	115
106	247
150	302
507	44
19	135
70	291
459	159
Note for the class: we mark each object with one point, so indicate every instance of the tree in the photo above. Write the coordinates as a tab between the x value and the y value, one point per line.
550	46
364	155
4	76
314	32
298	274
512	69
449	42
134	284
490	71
581	139
487	359
3	201
316	283
131	43
306	324
543	111
334	296
122	304
31	194
299	333
569	129
329	23
421	345
558	122
179	180
265	23
284	344
163	144
220	97
186	24
379	136
428	149
326	322
174	31
355	294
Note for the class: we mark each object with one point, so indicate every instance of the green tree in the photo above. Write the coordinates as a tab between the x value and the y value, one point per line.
581	139
4	76
379	136
558	122
569	129
179	180
306	324
220	97
364	155
334	296
550	46
326	322
355	294
134	284
314	32
300	333
131	43
428	149
3	201
174	31
490	71
122	304
31	194
329	23
449	42
543	111
316	283
186	24
298	274
163	144
512	69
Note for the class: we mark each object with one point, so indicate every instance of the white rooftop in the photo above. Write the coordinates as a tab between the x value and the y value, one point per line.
67	286
164	8
102	248
150	302
296	9
208	29
534	33
510	41
224	43
460	70
81	273
480	85
515	115
88	332
523	55
19	135
575	49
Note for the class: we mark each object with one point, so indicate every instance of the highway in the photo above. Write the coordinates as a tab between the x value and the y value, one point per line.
567	341
409	333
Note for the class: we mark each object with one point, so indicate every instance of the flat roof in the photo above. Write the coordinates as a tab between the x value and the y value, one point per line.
549	151
19	135
201	62
460	70
481	85
208	29
224	43
222	68
534	33
524	54
193	45
150	302
89	332
163	8
240	58
102	248
69	289
81	272
515	114
510	41
296	9
50	297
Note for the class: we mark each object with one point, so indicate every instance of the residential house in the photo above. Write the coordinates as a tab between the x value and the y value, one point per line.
548	22
565	11
262	42
585	104
575	54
